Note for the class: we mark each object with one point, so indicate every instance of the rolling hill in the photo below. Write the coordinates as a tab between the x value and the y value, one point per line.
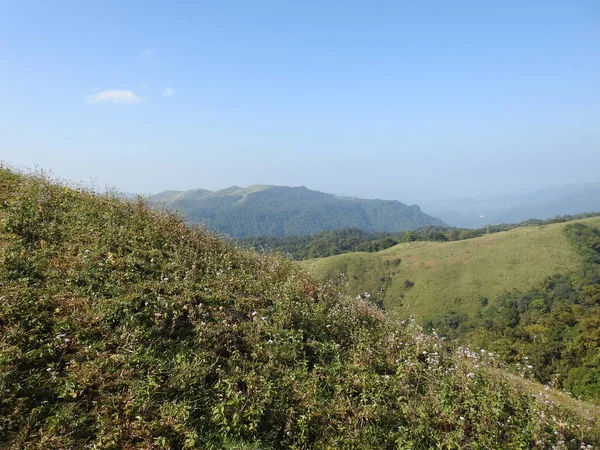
123	327
429	279
261	210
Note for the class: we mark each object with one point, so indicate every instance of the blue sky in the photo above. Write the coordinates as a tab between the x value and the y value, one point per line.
390	99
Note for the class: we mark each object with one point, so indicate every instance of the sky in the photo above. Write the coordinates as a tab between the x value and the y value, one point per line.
405	100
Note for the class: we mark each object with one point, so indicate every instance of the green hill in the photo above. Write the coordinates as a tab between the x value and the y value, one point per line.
123	327
429	279
261	210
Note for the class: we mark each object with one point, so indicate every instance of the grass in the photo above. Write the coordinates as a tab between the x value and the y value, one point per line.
453	276
121	327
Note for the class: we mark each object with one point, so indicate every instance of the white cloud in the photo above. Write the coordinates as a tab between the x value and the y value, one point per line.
147	52
169	92
114	96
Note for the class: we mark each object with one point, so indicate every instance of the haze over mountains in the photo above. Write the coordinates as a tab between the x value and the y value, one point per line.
283	211
264	210
543	203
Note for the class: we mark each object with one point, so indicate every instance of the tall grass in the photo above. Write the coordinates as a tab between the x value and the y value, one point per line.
123	327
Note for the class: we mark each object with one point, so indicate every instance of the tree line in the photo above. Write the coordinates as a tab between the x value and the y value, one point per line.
346	240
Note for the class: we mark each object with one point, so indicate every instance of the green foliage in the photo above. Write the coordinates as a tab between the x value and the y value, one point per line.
586	240
454	275
284	211
555	325
583	382
122	327
346	240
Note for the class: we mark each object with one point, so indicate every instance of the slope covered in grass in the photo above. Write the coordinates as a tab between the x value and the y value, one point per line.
122	327
454	276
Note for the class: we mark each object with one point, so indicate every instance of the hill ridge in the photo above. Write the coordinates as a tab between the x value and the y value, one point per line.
465	269
288	210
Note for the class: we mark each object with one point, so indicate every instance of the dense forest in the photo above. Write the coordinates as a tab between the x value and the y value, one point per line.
283	211
551	331
346	240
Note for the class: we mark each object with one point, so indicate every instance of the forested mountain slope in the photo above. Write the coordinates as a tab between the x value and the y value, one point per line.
281	211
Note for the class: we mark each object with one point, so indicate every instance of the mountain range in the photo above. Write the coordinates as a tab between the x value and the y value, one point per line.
540	204
282	211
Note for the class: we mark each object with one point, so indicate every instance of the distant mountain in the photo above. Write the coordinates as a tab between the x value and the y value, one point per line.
261	210
540	204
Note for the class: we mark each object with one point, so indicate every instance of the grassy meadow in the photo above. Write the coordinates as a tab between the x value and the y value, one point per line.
454	275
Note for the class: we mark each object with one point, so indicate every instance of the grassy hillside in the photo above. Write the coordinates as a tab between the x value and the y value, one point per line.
261	210
454	275
121	327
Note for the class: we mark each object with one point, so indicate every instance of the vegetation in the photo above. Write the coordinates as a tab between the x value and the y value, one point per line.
123	327
454	276
529	293
553	329
347	240
282	211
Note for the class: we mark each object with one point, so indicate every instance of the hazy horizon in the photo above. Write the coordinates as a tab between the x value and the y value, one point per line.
410	102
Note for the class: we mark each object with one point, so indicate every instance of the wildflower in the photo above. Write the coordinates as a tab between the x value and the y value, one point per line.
253	313
166	279
270	341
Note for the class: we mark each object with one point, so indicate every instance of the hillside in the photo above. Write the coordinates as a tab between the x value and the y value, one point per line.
453	276
122	327
261	210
